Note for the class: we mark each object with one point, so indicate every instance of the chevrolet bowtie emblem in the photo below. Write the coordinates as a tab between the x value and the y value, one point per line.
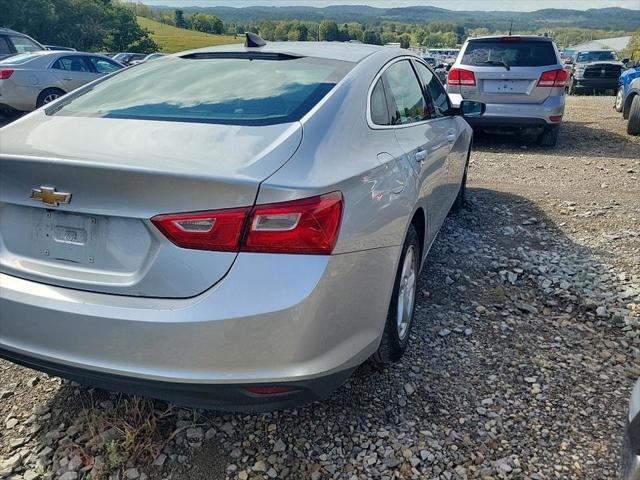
49	196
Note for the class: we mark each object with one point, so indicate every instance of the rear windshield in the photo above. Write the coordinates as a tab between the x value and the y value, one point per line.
595	56
235	91
513	53
19	59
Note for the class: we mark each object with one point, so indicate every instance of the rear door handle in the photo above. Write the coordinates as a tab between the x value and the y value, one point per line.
451	137
68	79
421	155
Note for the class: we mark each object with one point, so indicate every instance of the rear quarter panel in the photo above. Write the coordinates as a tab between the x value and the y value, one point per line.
340	152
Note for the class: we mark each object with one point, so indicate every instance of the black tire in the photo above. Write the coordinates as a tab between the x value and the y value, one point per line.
549	138
461	198
46	94
619	100
571	88
393	344
633	125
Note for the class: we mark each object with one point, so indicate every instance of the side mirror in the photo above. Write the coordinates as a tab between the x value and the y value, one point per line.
440	65
448	67
471	108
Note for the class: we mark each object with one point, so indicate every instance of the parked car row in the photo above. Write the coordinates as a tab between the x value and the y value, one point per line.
32	74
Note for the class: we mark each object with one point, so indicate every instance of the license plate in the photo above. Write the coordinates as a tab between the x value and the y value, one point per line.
506	86
67	236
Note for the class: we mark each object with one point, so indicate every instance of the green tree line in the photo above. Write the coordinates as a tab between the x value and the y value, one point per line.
86	25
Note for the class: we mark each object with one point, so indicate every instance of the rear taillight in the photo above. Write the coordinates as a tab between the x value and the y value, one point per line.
306	226
553	78
459	76
6	73
309	225
218	230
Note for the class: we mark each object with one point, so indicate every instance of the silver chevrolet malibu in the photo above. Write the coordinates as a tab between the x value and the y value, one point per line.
236	227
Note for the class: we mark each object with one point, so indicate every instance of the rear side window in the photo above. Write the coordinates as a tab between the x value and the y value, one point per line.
72	64
24	45
379	111
513	53
405	97
4	46
233	90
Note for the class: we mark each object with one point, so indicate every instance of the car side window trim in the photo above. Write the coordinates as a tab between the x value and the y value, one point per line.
372	125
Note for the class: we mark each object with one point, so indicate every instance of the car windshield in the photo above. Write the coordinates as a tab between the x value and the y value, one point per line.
512	52
597	56
241	90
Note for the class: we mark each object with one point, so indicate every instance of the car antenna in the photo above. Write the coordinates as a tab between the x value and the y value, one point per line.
253	40
510	27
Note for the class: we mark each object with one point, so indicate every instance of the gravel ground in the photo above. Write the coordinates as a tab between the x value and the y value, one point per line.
525	347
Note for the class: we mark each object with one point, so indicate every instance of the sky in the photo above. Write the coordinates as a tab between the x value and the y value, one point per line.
512	5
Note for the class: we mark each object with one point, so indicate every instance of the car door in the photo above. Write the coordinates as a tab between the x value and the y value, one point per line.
447	127
72	72
423	140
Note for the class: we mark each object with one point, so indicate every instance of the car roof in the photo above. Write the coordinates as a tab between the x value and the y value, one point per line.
341	51
8	31
530	38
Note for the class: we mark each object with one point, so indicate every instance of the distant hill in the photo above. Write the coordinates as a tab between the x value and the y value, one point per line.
603	18
171	39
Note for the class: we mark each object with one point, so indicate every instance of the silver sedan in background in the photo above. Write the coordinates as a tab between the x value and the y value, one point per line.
236	227
30	80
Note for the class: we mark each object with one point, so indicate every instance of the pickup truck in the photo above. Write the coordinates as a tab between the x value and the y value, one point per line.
594	71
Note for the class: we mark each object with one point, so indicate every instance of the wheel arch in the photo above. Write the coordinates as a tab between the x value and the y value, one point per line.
419	222
626	108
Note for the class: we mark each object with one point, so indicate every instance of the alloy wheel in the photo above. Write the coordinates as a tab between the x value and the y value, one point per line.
406	293
50	98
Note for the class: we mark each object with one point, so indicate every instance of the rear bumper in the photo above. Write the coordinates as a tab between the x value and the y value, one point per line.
226	397
304	321
599	83
18	97
517	115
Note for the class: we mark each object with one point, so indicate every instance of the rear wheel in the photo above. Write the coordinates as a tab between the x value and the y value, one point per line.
619	100
48	95
633	125
571	88
549	138
395	337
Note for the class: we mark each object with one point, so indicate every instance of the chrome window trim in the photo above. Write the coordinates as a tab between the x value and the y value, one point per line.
370	122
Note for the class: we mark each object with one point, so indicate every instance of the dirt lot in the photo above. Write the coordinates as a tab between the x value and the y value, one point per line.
525	348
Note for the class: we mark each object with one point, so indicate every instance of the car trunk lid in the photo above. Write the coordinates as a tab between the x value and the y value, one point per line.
119	174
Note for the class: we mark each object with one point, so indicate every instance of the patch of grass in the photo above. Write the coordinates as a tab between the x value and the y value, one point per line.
133	429
171	39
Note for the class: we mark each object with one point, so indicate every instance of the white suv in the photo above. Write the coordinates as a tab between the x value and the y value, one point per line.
519	78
